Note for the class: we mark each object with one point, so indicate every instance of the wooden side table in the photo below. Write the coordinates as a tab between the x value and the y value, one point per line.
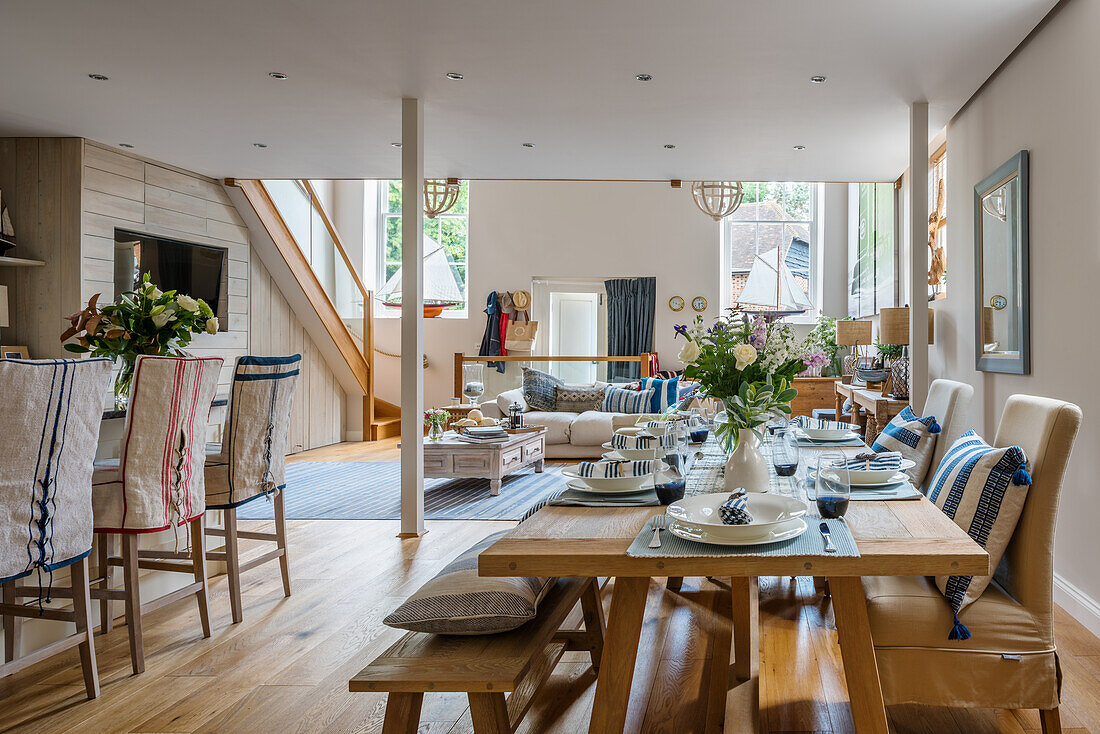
879	408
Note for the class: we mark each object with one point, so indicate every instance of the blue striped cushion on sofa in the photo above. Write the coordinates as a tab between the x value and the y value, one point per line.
665	393
618	400
913	437
983	490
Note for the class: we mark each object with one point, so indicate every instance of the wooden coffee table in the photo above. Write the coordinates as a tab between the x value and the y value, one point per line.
450	458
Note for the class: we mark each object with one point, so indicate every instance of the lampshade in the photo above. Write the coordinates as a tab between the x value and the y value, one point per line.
987	325
3	306
853	332
893	325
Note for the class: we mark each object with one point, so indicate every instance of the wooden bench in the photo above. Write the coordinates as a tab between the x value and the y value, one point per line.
485	667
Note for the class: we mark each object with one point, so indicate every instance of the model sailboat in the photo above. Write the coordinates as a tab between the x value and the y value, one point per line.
7	232
772	289
440	285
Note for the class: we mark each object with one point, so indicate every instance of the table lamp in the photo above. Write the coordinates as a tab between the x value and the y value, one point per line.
893	328
854	334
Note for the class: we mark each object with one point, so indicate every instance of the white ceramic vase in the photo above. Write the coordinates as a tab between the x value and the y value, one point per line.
746	466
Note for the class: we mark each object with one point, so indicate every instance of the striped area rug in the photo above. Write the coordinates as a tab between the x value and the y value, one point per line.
371	491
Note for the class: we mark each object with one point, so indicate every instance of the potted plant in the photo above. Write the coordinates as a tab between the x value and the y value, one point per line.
747	363
888	352
435	420
145	321
824	333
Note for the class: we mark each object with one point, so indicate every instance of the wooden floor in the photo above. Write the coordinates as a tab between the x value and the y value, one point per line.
286	667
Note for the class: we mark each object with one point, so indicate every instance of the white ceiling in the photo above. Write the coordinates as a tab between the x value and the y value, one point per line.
189	86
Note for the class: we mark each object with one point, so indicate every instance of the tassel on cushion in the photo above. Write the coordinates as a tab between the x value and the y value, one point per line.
735	510
934	427
1021	477
959	631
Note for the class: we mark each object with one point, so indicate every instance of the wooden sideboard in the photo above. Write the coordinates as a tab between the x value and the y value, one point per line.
813	392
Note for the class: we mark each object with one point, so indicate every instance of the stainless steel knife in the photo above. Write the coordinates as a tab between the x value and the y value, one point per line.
829	547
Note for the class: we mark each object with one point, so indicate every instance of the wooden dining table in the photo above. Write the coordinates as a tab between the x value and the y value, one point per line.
894	538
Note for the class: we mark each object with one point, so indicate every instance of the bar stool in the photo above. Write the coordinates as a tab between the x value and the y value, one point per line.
156	485
251	463
52	411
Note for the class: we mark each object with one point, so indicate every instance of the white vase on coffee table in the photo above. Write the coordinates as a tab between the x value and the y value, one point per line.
746	467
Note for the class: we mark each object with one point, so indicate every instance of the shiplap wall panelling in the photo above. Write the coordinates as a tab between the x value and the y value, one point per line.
40	179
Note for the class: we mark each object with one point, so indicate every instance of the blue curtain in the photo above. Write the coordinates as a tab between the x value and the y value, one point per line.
631	307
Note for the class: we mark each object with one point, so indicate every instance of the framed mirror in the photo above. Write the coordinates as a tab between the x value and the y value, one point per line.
1002	312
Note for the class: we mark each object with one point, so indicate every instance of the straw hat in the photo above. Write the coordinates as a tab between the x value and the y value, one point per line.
521	300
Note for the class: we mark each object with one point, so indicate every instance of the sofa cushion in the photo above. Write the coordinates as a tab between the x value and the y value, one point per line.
983	489
592	428
557	424
506	398
666	393
618	400
457	601
538	388
578	398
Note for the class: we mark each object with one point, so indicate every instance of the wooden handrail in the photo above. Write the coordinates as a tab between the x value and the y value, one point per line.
461	358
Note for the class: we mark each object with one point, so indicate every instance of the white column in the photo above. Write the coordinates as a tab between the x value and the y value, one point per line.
918	255
412	317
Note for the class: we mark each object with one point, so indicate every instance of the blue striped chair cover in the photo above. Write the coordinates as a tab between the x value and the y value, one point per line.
52	413
251	461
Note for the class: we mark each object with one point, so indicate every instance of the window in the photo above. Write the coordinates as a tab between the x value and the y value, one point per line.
937	223
872	284
446	240
775	224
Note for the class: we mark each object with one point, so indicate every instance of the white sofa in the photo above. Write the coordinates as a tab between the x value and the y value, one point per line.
568	435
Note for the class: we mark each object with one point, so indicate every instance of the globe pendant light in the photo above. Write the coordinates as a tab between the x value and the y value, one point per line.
439	196
717	199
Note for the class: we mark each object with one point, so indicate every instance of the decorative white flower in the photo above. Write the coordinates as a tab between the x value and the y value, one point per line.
162	318
689	352
745	354
187	303
155	293
212	326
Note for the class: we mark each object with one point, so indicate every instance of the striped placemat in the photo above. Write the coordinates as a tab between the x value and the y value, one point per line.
810	543
575	498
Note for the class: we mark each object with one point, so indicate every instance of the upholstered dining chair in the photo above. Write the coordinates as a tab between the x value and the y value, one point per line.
156	485
1010	661
949	401
251	463
52	413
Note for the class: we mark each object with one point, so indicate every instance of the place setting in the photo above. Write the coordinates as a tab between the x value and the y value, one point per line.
871	476
813	432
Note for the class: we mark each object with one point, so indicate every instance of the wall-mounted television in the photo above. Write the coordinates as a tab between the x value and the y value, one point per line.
200	271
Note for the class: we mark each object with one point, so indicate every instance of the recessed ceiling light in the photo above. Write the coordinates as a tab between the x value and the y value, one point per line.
528	145
669	146
818	79
276	75
125	145
454	76
644	77
98	77
259	145
395	145
800	147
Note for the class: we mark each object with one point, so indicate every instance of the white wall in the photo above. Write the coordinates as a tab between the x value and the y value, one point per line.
1046	100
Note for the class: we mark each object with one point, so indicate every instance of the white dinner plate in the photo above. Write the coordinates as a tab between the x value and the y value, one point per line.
785	531
700	512
829	434
580	486
841	439
613	484
629	454
869	477
898	478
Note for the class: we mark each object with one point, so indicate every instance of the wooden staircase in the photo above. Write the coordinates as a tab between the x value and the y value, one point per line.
352	347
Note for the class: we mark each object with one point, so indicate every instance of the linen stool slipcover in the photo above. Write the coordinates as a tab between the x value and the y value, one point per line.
251	461
159	481
53	410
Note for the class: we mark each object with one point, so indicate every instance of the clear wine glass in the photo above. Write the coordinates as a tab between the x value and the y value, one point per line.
831	487
785	452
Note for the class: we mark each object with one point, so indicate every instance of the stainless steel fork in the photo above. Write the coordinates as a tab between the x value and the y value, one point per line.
658	526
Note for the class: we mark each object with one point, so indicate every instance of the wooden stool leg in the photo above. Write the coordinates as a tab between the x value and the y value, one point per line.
1050	721
280	540
82	600
133	601
12	626
198	560
674	583
402	713
490	713
106	543
594	624
233	563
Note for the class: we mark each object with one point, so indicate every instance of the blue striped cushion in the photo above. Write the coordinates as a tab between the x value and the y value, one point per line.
913	437
665	393
618	400
983	490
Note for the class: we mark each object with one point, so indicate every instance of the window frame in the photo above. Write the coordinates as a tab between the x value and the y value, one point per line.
380	262
817	192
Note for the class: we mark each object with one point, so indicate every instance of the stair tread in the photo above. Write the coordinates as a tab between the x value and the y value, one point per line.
385	420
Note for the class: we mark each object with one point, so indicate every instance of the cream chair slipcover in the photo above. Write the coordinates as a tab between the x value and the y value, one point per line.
251	462
52	411
1010	661
949	401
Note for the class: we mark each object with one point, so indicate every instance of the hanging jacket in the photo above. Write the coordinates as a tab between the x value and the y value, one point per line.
490	343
